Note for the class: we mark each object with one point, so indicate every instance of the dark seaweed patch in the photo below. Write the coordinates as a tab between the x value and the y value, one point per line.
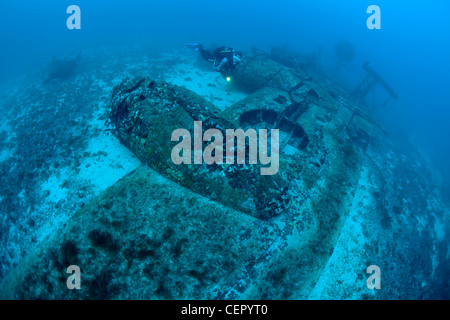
103	239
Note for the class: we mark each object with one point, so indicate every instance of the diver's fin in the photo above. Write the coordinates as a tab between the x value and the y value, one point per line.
194	46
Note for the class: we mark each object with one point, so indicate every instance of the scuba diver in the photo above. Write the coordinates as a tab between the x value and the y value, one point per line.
224	59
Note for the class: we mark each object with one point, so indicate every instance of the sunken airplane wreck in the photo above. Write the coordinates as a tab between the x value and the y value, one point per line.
222	231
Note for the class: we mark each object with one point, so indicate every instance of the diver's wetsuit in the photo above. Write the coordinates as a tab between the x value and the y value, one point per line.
223	58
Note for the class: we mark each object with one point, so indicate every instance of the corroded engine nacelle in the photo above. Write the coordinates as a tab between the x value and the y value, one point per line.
145	113
258	71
